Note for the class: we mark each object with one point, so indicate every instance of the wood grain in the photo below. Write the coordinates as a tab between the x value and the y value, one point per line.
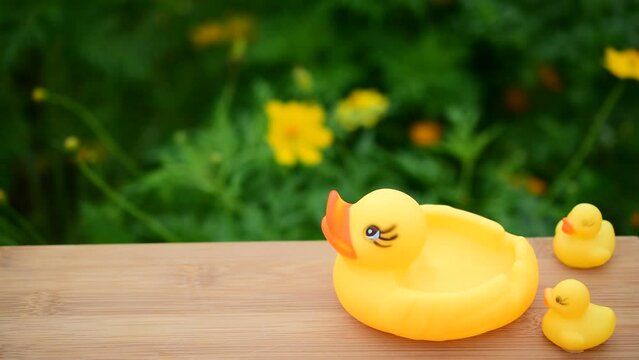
250	300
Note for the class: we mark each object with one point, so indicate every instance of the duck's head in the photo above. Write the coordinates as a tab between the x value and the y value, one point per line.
570	298
583	221
384	228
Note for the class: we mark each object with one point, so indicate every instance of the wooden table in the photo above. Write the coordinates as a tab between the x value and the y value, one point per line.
250	300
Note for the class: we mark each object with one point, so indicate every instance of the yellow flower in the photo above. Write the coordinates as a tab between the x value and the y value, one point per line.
71	143
236	28
3	197
91	154
296	132
623	64
362	108
536	186
634	219
550	78
208	33
516	100
39	94
425	133
303	79
215	158
532	184
239	27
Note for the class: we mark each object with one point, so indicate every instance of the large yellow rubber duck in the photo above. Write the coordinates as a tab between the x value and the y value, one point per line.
429	272
572	322
583	239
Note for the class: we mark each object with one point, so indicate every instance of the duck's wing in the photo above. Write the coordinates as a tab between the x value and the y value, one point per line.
569	340
607	234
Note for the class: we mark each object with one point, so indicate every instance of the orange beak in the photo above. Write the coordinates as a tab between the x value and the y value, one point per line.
547	296
335	225
567	226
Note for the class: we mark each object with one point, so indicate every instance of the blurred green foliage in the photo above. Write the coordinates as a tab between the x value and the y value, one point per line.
515	86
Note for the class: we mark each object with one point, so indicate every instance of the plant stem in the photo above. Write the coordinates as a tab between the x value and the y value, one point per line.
465	180
576	161
126	205
25	225
94	124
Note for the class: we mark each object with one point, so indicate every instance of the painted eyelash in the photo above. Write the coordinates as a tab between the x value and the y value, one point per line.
381	245
387	230
561	301
389	238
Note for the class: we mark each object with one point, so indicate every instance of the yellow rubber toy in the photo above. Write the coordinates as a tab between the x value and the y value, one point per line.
429	272
572	322
583	239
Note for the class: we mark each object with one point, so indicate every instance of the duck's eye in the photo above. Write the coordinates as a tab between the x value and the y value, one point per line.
373	232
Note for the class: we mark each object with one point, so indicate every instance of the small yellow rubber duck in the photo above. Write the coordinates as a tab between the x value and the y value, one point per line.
582	239
572	322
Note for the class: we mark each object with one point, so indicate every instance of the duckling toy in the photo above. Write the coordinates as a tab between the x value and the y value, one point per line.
583	239
429	272
572	322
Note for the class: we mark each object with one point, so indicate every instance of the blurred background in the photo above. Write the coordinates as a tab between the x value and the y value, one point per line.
185	120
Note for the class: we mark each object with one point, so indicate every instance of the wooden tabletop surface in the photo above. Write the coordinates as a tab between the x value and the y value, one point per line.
251	300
